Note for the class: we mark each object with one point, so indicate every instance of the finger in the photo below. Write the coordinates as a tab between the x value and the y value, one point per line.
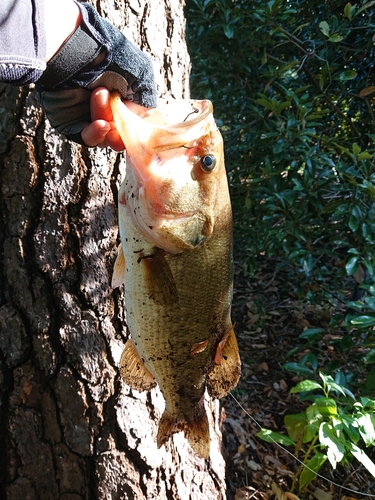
95	133
100	105
114	141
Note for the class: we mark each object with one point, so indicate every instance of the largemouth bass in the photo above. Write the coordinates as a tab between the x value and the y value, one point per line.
175	224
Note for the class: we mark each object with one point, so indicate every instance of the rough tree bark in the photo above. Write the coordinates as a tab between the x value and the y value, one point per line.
69	427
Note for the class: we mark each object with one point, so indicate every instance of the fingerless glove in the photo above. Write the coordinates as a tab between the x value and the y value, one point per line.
96	54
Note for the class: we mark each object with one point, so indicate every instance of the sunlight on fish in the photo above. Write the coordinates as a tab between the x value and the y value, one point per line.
175	224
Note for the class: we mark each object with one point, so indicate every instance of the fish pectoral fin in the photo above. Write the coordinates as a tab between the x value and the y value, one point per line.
161	286
118	277
226	372
133	371
197	431
198	347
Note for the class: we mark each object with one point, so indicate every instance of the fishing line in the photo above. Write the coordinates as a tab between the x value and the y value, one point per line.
297	459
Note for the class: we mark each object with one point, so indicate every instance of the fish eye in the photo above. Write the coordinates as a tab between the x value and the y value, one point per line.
208	163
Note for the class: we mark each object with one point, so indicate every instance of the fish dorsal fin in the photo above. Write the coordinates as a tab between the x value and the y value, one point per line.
118	277
227	369
133	371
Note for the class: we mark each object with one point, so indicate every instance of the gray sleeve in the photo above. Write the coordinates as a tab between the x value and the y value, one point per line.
22	41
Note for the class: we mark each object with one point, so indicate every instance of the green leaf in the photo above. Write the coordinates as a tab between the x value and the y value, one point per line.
311	431
298	368
364	7
369	268
349	11
353	222
365	155
326	406
353	251
311	333
349	428
295	425
313	414
271	4
361	456
367	403
335	447
229	31
334	386
348	74
369	357
363	321
356	149
274	437
366	428
331	206
305	385
324	28
312	468
289	195
335	38
352	265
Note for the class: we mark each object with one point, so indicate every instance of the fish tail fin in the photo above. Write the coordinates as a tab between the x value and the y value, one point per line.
197	431
168	426
227	369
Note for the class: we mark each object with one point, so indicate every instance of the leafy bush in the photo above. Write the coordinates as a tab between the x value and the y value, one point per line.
335	426
292	87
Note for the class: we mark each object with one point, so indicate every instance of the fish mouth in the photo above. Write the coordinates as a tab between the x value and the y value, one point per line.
174	123
185	122
166	196
184	113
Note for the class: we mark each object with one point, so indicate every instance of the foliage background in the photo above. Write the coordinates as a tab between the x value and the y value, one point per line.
292	84
293	88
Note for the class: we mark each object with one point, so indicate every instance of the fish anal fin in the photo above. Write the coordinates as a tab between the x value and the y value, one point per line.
133	371
161	286
226	372
118	277
197	431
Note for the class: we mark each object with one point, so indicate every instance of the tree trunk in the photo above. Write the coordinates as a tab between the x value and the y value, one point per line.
70	428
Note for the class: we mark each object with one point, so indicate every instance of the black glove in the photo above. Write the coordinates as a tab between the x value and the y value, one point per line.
66	85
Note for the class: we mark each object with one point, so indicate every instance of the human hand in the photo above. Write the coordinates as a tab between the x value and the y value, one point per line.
102	131
97	55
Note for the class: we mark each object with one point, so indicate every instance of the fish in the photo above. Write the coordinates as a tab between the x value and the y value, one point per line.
176	262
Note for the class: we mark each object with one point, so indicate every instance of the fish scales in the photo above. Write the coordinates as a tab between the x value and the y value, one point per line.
178	289
191	317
